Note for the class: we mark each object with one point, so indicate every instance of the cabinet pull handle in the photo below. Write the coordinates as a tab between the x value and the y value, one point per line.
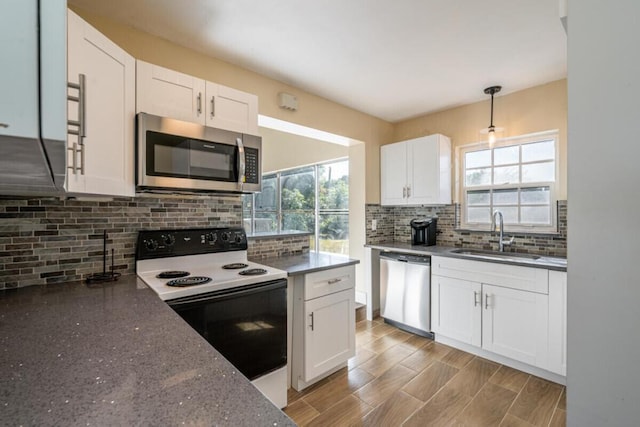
82	159
334	281
486	301
81	123
311	315
74	160
404	192
476	300
213	107
408	191
4	125
199	104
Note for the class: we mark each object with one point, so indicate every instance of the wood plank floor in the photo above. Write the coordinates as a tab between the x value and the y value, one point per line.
400	379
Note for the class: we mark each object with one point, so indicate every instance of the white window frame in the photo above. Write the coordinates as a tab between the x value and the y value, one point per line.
505	142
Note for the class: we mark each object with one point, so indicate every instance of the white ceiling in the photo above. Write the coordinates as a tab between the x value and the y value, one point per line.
391	59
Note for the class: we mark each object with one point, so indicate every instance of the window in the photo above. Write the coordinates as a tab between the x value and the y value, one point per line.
516	177
288	203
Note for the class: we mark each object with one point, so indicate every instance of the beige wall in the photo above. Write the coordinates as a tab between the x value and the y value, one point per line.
282	150
532	110
314	111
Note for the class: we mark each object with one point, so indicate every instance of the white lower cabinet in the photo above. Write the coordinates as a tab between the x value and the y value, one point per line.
323	324
525	322
515	324
455	314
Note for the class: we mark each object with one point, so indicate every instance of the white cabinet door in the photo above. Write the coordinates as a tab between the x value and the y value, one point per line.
109	112
515	324
168	93
231	109
456	309
429	171
393	174
558	322
329	338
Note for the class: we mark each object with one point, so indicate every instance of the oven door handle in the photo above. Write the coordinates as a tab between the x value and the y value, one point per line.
228	293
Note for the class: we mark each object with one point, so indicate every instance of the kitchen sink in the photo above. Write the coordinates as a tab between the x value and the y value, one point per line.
495	255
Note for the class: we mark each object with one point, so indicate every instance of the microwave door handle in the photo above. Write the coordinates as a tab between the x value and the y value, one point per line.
241	163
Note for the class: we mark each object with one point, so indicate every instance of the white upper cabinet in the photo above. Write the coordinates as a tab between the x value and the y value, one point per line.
168	93
231	109
416	172
101	160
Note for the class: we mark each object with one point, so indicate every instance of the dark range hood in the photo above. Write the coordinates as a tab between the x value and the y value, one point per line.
33	83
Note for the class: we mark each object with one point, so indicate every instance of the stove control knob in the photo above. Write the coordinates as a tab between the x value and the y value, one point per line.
239	238
151	245
225	236
211	237
168	239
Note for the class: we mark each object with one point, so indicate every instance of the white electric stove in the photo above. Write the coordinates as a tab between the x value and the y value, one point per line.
239	306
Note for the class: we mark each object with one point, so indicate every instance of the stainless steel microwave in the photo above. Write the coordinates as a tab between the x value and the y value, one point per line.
184	156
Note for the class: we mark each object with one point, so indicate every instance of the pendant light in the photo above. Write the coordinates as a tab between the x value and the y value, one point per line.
491	130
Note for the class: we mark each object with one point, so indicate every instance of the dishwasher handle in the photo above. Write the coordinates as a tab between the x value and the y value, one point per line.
408	258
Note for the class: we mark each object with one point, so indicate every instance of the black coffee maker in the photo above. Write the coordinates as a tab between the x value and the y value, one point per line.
423	231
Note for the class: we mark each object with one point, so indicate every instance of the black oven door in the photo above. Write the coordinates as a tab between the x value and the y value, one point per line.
175	156
247	325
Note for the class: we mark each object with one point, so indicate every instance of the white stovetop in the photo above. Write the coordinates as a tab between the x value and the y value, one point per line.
209	265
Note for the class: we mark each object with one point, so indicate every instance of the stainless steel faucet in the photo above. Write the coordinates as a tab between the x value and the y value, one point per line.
501	241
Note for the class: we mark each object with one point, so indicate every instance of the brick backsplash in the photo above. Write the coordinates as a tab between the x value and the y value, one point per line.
393	225
46	240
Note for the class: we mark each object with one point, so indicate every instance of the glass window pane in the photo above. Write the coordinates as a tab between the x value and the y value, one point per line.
535	196
333	180
266	222
298	221
477	177
298	189
536	151
334	233
247	207
478	197
477	159
509	213
506	155
539	172
505	197
267	198
536	214
479	215
506	175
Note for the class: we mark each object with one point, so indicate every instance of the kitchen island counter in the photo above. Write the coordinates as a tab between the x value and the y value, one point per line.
308	263
115	354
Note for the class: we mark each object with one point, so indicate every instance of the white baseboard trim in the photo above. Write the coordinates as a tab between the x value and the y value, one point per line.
533	370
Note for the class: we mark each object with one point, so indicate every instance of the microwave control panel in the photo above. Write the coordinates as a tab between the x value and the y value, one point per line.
251	166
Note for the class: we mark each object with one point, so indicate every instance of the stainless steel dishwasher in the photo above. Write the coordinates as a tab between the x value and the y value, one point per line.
405	292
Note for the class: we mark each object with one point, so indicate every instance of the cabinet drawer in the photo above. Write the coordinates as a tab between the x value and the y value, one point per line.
509	276
326	282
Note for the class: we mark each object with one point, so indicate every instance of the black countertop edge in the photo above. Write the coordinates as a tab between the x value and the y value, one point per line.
308	263
115	354
259	236
546	262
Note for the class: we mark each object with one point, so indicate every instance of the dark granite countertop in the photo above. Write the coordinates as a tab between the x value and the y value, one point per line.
308	263
115	354
546	262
